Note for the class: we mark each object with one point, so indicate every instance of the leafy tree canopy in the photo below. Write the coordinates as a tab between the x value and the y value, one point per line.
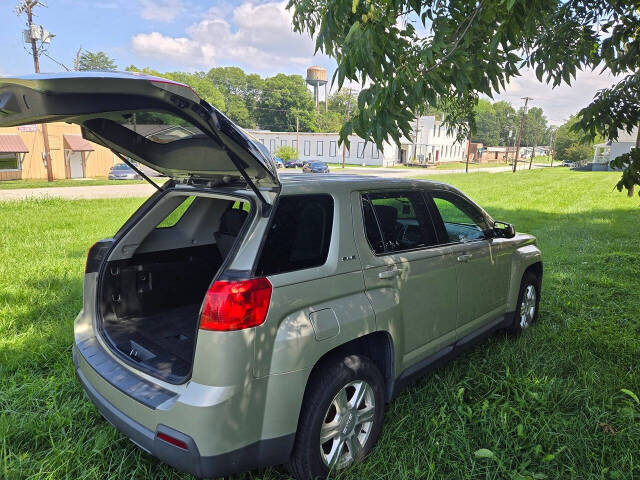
412	53
286	152
98	61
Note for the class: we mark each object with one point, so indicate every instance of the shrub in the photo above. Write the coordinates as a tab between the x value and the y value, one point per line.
286	153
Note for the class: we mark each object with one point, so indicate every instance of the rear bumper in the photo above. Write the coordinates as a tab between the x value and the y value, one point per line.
259	454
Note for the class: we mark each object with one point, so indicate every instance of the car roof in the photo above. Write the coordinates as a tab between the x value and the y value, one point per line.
306	183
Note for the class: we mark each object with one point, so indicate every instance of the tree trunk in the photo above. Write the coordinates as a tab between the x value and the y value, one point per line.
633	187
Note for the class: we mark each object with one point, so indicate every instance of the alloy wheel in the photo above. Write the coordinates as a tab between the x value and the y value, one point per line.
347	425
528	306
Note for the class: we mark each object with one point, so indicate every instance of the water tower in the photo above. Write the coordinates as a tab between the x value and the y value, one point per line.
317	77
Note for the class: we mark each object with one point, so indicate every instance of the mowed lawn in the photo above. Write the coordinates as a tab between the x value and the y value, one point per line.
559	402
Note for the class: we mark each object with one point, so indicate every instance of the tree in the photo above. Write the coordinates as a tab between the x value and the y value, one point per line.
329	121
198	81
284	98
569	135
286	152
578	153
98	61
487	124
241	93
463	49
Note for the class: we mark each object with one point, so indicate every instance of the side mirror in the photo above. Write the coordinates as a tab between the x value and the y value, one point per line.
504	230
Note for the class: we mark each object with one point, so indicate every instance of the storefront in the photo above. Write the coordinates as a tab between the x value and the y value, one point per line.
12	152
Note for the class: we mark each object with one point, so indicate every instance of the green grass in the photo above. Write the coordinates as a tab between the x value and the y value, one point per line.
474	166
89	182
548	404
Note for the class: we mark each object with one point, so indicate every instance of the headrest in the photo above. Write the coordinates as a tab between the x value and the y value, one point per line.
386	215
232	221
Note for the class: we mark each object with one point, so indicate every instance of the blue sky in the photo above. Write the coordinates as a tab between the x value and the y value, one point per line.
191	35
164	34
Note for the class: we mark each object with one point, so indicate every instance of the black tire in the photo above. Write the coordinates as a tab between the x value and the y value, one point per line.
306	462
519	324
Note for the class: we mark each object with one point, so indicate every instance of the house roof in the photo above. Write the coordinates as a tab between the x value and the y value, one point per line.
12	144
77	144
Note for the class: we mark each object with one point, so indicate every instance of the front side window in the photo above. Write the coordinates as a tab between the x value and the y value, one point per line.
375	153
332	148
272	145
299	236
461	220
397	221
283	143
307	147
360	149
319	145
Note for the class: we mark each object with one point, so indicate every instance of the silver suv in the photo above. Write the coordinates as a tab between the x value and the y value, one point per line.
240	319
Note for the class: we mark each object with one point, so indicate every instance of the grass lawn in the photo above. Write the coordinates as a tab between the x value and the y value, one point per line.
472	166
549	404
15	184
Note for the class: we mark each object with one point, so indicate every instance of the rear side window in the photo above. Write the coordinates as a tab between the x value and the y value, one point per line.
299	236
397	221
177	213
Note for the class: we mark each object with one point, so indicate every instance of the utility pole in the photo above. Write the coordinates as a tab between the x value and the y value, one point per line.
524	114
466	168
37	33
533	152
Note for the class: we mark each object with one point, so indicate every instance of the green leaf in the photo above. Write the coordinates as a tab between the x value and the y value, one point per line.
484	453
631	394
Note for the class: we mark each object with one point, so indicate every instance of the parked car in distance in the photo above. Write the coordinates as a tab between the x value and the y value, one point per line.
122	171
315	167
297	163
278	161
240	319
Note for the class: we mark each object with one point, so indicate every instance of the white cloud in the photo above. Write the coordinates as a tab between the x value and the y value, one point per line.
257	35
161	10
178	49
560	102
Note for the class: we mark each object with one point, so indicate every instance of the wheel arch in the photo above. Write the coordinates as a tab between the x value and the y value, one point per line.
376	346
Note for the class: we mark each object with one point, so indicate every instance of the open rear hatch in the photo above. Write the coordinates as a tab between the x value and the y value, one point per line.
157	122
149	296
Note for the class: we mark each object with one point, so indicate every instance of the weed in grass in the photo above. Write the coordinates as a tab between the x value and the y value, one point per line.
526	408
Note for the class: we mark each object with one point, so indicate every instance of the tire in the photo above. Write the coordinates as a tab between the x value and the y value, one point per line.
329	405
524	317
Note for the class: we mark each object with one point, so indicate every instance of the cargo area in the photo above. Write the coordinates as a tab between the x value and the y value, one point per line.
155	280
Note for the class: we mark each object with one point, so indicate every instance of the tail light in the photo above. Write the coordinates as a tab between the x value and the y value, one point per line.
96	254
236	305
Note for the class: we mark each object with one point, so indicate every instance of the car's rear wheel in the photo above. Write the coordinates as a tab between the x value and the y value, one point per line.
341	418
526	312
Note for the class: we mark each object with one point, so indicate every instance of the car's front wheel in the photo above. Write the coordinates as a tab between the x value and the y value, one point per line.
528	302
341	418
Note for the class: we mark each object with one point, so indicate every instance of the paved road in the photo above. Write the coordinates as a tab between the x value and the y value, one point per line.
144	190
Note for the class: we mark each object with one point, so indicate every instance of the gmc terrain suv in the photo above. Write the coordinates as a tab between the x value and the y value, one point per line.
239	319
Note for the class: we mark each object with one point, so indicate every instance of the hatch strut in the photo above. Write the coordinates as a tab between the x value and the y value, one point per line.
137	170
266	206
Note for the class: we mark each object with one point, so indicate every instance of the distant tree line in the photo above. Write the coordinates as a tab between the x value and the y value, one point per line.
271	103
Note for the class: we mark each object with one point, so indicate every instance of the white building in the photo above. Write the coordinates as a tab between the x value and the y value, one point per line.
433	144
605	152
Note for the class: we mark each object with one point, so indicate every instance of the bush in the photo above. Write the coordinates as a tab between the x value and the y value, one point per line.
286	153
578	153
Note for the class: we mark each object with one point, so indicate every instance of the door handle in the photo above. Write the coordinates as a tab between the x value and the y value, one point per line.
464	258
394	272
